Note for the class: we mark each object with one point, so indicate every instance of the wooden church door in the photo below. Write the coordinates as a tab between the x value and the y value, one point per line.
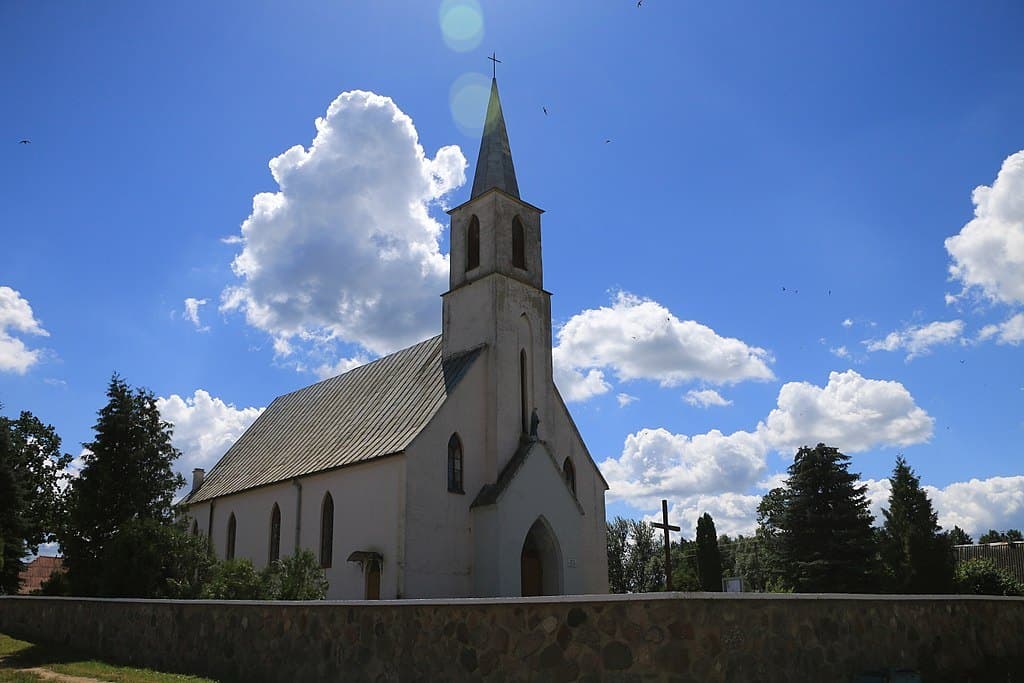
532	572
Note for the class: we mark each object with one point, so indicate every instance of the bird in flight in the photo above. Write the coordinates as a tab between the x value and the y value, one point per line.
639	2
607	141
24	142
545	110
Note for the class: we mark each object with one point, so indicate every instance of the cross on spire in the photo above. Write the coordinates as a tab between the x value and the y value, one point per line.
668	544
494	66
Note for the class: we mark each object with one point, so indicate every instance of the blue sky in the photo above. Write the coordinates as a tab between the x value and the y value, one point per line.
775	205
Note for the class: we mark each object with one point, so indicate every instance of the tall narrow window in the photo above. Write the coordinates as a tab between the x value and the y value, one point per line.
455	464
473	244
518	244
523	407
195	528
229	548
275	535
327	531
569	472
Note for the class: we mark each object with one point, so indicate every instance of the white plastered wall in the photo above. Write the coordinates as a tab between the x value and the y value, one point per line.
500	529
369	499
438	541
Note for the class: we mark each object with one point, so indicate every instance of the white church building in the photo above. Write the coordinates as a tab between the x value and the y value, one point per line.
451	468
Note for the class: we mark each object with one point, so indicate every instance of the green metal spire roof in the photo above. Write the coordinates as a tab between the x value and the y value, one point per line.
494	164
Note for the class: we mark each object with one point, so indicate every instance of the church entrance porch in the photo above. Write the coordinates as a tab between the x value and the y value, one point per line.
540	561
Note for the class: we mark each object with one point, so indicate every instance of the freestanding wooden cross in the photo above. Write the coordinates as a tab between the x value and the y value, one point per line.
494	67
668	544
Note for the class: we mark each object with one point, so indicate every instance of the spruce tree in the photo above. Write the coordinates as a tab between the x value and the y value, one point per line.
709	559
917	556
959	537
819	526
127	480
31	471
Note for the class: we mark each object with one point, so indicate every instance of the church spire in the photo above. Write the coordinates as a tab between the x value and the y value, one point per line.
494	164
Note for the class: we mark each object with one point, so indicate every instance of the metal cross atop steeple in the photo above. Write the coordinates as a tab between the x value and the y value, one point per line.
494	66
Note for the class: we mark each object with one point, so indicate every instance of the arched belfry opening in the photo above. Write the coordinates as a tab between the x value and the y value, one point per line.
541	561
473	244
518	244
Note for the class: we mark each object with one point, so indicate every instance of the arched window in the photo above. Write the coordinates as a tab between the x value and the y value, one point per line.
524	409
473	244
229	548
275	534
518	244
455	464
195	528
569	472
327	531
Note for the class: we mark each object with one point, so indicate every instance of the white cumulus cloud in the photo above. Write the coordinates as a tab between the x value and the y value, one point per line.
706	397
16	316
1010	331
988	252
639	338
625	399
192	313
733	513
346	249
918	340
850	412
657	464
975	506
204	427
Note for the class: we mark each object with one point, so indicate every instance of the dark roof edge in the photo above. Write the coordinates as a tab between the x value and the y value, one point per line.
575	429
499	191
186	501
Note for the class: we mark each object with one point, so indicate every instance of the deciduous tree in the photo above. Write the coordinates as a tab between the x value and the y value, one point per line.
31	474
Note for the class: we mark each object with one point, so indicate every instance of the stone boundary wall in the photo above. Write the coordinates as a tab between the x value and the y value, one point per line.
661	636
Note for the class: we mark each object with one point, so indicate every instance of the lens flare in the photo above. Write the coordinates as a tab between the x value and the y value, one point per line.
468	100
462	24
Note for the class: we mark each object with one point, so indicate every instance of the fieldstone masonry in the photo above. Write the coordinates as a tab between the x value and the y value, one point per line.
654	637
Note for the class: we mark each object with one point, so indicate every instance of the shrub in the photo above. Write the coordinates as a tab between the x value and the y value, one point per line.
298	577
233	580
982	576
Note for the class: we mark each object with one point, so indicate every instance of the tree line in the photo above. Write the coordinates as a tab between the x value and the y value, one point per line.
815	534
120	533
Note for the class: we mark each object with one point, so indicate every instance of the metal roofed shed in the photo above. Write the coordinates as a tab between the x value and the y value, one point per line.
369	412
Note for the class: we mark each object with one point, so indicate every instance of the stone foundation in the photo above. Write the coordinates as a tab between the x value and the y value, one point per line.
663	636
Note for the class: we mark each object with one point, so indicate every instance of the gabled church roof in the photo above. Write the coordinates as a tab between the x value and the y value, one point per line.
372	411
494	163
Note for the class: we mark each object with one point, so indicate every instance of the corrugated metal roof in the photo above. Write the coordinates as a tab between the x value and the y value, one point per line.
369	412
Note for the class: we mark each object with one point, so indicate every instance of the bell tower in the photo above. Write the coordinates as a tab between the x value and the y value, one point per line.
496	296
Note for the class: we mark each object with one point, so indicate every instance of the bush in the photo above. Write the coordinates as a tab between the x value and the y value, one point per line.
298	577
981	576
233	580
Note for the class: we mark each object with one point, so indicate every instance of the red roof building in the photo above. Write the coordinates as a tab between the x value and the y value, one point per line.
37	572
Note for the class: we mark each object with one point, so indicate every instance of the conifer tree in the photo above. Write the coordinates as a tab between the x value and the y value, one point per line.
127	481
709	559
959	537
917	556
31	470
818	528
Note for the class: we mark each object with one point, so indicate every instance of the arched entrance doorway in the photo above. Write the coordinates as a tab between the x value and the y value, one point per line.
541	561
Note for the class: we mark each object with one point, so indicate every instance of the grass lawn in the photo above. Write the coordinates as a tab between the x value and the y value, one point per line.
17	654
